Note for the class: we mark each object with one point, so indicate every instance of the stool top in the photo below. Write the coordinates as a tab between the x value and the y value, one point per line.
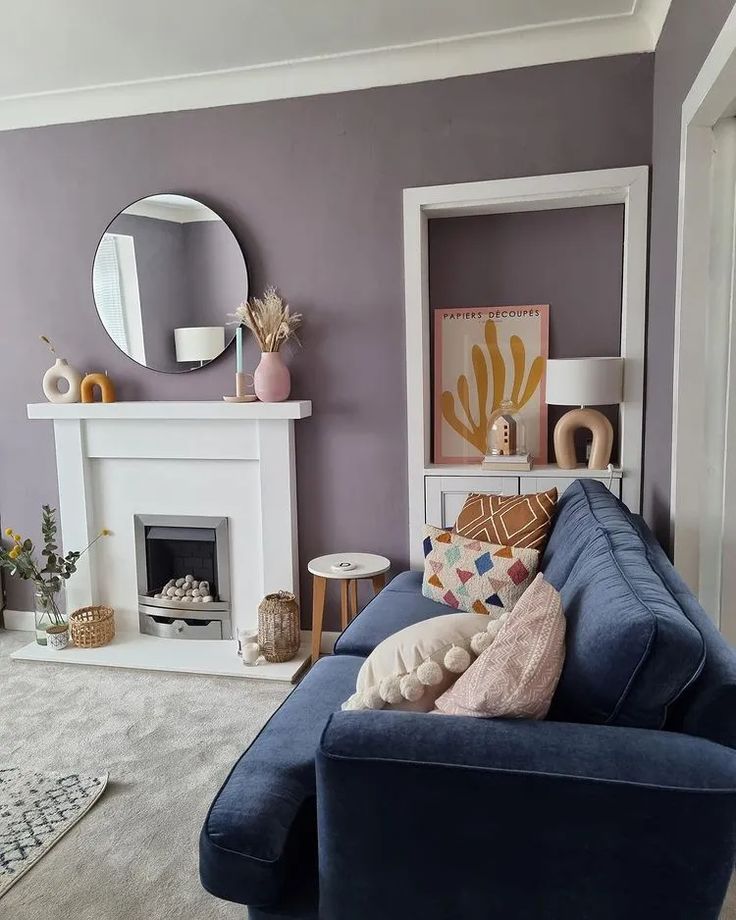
359	565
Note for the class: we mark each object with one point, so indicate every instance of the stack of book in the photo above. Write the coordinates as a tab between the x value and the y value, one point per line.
512	462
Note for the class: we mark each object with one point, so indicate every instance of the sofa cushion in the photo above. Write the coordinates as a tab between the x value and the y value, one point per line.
516	676
265	811
411	668
475	576
631	650
511	520
400	604
708	705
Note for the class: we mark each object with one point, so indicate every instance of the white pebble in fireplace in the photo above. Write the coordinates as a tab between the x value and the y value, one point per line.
163	461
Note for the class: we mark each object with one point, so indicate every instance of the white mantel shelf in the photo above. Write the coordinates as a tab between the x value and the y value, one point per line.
205	409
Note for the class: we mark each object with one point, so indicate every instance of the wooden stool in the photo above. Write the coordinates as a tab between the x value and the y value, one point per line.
348	569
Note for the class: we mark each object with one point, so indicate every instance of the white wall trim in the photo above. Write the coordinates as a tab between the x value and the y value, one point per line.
530	193
326	642
411	63
712	97
19	619
654	13
158	209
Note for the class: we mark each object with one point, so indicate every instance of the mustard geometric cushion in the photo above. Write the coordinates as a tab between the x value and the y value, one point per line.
511	520
475	576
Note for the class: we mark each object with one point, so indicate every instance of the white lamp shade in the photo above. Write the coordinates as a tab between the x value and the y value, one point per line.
584	381
199	343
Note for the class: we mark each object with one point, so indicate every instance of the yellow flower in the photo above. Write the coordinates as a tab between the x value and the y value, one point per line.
8	531
14	552
105	532
17	537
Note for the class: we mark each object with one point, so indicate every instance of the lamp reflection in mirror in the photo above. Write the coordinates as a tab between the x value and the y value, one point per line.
199	343
584	382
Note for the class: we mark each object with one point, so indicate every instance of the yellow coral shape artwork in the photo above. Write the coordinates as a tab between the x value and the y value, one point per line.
483	357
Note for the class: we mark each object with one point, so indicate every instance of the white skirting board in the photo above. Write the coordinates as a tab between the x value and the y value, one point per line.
18	619
190	656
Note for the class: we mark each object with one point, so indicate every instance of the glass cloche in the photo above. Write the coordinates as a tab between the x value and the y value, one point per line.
506	432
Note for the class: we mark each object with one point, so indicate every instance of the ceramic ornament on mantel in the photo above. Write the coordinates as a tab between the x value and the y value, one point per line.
273	324
60	371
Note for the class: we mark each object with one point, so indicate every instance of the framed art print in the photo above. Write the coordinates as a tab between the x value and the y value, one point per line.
484	356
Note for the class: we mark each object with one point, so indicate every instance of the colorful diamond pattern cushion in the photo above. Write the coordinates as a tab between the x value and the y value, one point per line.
508	520
474	576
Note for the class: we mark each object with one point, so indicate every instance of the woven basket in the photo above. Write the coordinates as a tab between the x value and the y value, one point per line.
92	627
278	626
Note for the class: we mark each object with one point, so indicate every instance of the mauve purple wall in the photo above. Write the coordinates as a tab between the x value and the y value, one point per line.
570	259
312	188
216	275
687	37
161	265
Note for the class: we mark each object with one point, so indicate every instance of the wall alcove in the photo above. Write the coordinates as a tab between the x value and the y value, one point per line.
584	236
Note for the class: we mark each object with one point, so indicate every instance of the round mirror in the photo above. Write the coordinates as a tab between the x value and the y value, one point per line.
167	273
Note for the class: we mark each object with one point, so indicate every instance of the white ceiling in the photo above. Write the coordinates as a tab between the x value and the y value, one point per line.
81	59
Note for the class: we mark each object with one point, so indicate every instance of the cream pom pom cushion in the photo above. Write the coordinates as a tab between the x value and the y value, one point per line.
411	668
467	574
516	676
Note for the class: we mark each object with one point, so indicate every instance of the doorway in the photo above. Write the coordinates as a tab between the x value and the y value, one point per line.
703	506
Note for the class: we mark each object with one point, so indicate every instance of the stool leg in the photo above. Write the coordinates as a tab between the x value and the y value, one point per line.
318	611
353	598
379	583
344	585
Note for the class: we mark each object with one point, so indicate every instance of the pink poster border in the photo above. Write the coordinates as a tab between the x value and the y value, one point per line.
437	454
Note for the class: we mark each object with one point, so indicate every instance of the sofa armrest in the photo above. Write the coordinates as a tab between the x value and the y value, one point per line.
442	816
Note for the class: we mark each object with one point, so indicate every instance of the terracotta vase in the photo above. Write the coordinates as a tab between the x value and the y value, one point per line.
272	380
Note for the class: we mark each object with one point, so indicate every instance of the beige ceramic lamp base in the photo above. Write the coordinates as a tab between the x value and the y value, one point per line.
564	438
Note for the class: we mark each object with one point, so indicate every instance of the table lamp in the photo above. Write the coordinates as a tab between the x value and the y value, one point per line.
584	382
199	343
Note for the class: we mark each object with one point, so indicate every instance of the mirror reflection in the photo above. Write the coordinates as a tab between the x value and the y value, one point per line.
167	272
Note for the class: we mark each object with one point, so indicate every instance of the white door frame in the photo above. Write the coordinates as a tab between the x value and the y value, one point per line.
711	99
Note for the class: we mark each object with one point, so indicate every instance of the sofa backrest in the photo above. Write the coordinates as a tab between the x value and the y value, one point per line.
707	707
632	649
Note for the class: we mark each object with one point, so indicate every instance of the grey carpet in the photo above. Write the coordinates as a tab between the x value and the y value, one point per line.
167	741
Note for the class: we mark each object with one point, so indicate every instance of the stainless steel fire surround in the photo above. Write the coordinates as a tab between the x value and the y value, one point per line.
167	618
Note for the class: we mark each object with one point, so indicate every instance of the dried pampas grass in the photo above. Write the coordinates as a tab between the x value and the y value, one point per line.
270	320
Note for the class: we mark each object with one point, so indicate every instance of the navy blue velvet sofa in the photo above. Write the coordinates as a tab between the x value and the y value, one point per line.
620	806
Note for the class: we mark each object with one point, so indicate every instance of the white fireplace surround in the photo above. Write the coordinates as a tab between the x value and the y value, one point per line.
115	460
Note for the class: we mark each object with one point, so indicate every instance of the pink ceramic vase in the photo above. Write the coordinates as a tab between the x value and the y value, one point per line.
272	380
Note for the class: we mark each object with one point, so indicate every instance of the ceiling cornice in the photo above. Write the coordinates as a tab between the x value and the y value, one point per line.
413	63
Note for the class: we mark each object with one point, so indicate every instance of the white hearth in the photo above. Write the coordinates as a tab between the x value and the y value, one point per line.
118	460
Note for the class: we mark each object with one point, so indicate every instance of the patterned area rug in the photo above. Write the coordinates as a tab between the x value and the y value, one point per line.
36	810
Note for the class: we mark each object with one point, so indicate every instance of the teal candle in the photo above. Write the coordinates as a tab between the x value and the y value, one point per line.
239	349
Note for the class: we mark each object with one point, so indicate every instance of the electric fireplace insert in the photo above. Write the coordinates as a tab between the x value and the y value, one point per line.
183	570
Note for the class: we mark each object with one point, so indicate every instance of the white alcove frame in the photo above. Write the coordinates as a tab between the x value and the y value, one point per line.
627	186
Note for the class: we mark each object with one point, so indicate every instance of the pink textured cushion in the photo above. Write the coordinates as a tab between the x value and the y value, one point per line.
517	675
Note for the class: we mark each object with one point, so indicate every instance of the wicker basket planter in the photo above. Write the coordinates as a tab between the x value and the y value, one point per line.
92	627
278	626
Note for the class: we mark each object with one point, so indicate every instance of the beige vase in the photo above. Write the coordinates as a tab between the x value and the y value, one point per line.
62	370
